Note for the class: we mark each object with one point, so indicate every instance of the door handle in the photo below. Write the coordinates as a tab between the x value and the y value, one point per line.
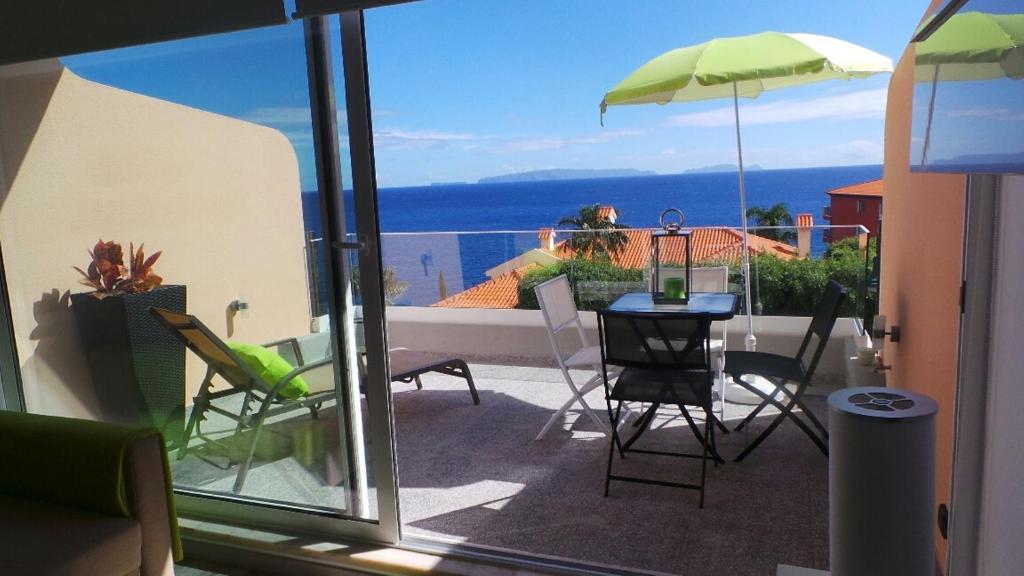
358	245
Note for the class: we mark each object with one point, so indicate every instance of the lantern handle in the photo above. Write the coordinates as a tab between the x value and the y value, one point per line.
672	227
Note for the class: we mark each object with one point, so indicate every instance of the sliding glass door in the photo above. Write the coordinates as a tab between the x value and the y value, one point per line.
228	286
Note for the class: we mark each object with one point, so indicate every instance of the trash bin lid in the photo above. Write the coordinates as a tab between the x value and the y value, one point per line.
882	403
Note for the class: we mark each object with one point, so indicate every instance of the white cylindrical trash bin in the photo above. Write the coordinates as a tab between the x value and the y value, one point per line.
881	482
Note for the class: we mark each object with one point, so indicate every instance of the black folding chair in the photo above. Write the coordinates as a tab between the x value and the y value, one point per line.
664	359
782	370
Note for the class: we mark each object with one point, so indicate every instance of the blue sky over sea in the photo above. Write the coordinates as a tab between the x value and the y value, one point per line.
465	89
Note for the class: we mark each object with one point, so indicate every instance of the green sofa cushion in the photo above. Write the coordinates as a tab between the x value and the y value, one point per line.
271	367
73	463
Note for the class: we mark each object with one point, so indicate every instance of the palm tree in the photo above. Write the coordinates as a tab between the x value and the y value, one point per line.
393	287
777	215
602	237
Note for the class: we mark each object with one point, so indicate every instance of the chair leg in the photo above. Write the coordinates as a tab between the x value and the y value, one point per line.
245	465
198	408
593	415
796	398
709	414
614	417
718	423
708	431
243	414
785	411
577	396
720	380
257	426
419	383
554	417
764	403
642	424
696	431
199	405
469	380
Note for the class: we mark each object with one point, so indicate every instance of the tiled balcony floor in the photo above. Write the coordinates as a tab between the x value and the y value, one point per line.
475	474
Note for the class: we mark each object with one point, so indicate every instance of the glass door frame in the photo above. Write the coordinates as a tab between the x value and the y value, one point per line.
381	453
11	395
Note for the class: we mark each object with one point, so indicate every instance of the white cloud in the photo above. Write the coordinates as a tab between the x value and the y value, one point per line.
279	115
849	106
555	143
862	151
987	113
287	116
401	139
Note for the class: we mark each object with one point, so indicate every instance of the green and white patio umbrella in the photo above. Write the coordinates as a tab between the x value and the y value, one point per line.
744	66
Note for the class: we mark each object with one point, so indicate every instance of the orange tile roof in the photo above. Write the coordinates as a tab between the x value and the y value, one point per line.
606	212
709	244
804	221
499	292
872	188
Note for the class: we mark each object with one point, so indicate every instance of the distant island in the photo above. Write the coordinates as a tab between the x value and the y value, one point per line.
565	174
1005	162
722	168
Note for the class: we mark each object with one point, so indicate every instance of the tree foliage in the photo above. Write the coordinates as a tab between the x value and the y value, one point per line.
596	283
794	287
394	288
600	237
777	215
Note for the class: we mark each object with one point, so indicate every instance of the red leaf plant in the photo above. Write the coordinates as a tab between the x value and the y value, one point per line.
108	275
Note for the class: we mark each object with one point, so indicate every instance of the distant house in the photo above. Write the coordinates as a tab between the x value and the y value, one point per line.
852	205
709	245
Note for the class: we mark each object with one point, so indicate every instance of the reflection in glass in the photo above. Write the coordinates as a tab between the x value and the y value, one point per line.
968	114
202	151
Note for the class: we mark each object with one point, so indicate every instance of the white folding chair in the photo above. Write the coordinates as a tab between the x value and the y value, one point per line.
715	279
560	314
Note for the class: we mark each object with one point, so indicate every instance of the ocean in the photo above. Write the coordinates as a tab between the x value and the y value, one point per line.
706	199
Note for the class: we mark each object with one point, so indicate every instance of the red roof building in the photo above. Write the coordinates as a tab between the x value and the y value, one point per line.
859	204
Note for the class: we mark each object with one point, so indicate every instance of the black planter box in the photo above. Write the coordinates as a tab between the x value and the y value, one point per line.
137	365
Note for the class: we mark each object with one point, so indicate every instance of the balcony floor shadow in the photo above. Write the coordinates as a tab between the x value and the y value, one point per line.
476	475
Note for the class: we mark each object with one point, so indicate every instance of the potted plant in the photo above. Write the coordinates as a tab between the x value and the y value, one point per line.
137	366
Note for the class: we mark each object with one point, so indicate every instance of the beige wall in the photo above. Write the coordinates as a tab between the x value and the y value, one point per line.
922	250
81	161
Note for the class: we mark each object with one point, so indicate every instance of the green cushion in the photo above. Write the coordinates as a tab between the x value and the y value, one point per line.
270	366
79	464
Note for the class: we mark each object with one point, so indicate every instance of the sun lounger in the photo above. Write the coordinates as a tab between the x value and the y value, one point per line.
409	365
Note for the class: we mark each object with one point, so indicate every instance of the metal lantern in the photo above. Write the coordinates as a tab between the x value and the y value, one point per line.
671	260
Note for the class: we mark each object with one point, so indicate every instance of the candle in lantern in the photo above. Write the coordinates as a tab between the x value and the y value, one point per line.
675	288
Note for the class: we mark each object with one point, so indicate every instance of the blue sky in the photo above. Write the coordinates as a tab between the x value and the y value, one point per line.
463	89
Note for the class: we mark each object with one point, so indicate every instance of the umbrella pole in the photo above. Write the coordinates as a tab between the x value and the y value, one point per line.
751	340
928	128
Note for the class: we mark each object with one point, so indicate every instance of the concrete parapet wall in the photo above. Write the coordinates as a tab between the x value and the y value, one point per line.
475	332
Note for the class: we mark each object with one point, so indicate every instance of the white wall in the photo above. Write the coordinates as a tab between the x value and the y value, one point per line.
1002	504
522	334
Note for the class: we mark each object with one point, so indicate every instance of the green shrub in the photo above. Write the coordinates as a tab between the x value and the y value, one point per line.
794	287
779	287
580	270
